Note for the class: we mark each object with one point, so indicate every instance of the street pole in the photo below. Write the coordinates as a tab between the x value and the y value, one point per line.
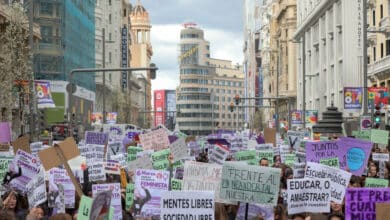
365	61
304	80
277	89
104	75
31	84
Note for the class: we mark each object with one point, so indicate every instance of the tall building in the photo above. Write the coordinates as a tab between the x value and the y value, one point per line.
68	42
165	108
282	68
331	50
114	18
207	87
378	50
141	54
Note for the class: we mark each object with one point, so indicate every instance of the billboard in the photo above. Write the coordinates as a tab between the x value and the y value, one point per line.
353	97
296	117
159	107
377	96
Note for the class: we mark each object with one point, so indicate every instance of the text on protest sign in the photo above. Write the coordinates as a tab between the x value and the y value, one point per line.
360	202
96	172
254	210
179	149
98	138
187	205
140	163
60	177
376	183
115	190
247	155
339	179
380	157
29	166
36	190
379	136
295	138
218	154
155	140
308	195
253	184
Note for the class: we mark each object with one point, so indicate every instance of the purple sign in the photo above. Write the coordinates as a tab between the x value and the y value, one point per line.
98	138
360	202
254	210
353	153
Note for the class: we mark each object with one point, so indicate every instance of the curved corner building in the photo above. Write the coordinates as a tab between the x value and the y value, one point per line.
207	87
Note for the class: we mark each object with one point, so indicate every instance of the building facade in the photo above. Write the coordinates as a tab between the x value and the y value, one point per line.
207	87
378	19
165	108
282	68
141	53
68	42
330	52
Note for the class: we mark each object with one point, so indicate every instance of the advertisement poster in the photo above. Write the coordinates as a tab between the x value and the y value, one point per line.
149	184
353	97
311	117
111	117
296	117
43	92
96	118
377	96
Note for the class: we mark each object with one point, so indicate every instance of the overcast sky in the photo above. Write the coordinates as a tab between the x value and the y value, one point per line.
221	21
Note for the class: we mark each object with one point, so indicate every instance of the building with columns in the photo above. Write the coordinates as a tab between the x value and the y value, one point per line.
330	52
141	53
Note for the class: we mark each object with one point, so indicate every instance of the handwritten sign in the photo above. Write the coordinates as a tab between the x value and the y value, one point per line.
360	202
186	205
140	163
132	153
84	208
376	183
308	195
339	179
98	138
176	184
380	136
96	172
253	184
332	162
129	195
363	135
248	156
218	154
315	151
295	138
155	140
179	149
22	143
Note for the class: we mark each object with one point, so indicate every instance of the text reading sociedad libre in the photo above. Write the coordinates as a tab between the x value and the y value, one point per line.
187	204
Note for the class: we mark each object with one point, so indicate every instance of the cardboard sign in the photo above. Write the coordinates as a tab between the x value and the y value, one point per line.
270	135
179	149
219	154
376	183
5	132
365	198
339	179
115	202
253	184
155	140
187	205
308	195
254	210
382	211
332	162
379	136
22	143
149	184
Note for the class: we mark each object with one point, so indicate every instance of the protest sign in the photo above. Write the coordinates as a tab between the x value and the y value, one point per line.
120	158
60	177
4	161
36	147
379	136
299	170
252	184
36	190
332	162
360	202
339	179
187	205
149	184
380	157
363	135
300	157
315	151
294	139
254	210
382	211
95	153
179	149
84	210
115	190
308	195
129	195
202	177
96	138
161	155
354	154
5	132
96	172
376	183
100	208
22	143
248	156
132	153
263	147
56	199
140	163
26	167
176	184
114	148
270	135
269	155
112	167
218	154
288	159
155	140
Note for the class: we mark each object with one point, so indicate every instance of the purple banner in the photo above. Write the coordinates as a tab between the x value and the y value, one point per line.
353	153
360	202
98	138
254	210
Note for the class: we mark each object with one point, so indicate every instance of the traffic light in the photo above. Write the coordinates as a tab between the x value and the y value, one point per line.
377	116
237	99
231	107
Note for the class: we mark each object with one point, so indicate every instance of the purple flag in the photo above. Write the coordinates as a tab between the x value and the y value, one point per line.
355	154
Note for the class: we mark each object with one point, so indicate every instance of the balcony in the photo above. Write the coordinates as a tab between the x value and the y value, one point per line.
371	37
384	24
380	69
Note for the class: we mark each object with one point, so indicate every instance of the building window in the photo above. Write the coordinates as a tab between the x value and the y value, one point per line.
109	36
374	54
139	37
109	2
373	17
381	12
109	57
124	12
47	34
46	8
387	47
382	50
